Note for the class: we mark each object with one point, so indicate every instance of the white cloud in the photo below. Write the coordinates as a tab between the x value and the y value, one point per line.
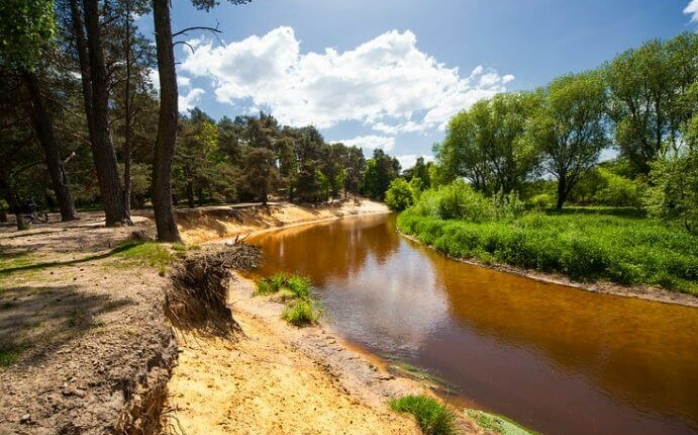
692	9
154	78
188	101
408	160
385	143
386	83
183	81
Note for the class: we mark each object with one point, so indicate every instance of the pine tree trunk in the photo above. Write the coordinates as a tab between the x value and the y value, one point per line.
128	127
100	135
12	200
167	125
44	131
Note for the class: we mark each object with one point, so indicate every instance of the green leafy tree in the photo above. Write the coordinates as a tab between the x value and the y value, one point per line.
570	128
27	27
399	195
380	171
487	144
648	88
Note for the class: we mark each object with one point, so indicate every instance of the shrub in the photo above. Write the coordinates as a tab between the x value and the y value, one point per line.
399	195
432	417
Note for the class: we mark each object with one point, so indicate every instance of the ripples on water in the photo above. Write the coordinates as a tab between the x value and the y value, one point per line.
557	359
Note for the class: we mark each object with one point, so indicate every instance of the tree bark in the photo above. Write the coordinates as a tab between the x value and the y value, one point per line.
128	108
561	191
167	125
102	147
12	200
44	131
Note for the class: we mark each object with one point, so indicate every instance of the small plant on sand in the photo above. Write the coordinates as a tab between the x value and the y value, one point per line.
294	290
301	312
432	417
298	286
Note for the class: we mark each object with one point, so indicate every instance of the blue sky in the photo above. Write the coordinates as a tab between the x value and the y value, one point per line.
390	73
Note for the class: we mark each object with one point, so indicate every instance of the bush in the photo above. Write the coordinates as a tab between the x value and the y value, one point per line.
399	195
432	417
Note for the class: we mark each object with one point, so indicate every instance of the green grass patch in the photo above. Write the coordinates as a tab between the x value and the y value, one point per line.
152	254
621	247
12	261
293	290
497	424
9	355
432	417
301	312
297	285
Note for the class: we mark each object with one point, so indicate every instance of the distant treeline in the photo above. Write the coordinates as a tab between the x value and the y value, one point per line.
81	124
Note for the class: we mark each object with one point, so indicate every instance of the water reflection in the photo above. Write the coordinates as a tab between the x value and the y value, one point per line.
558	359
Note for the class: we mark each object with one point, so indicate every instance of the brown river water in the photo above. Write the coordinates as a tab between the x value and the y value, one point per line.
556	359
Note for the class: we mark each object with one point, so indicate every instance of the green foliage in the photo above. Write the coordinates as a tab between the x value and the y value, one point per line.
649	88
585	246
542	201
9	355
381	170
301	312
25	26
570	128
301	309
459	200
432	417
400	194
617	191
487	144
674	195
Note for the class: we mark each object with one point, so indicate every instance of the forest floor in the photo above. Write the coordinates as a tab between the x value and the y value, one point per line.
83	335
85	347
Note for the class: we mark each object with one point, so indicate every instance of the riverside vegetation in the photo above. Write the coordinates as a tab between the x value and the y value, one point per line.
294	290
615	244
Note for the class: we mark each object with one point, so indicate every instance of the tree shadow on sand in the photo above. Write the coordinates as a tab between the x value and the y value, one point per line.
36	321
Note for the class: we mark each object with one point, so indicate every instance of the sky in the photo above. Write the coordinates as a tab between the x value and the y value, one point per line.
389	74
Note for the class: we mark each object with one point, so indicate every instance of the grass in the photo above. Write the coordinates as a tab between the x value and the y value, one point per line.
296	285
9	355
497	424
300	313
152	254
432	417
294	290
594	245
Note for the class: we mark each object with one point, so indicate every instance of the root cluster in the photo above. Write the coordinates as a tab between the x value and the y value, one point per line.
198	296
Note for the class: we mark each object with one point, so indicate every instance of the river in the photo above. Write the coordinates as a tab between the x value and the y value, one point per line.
556	359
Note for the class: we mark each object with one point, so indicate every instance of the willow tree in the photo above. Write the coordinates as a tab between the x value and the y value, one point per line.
487	143
570	128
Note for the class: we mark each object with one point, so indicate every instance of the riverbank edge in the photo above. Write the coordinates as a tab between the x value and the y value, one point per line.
649	293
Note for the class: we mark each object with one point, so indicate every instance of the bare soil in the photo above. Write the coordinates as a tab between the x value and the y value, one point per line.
86	330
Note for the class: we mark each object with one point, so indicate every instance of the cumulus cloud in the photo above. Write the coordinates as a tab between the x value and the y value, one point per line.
387	83
189	101
408	160
385	143
692	9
